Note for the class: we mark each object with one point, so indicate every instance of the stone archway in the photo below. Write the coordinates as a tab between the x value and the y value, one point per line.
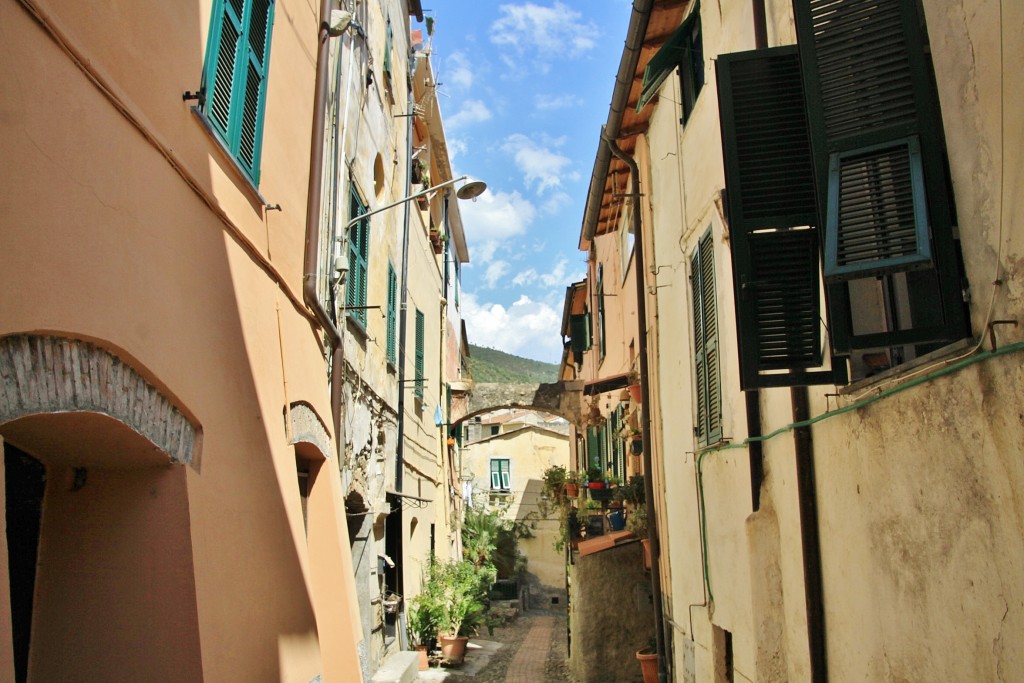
113	546
563	399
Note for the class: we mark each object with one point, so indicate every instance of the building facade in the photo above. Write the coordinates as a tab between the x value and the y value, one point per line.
832	295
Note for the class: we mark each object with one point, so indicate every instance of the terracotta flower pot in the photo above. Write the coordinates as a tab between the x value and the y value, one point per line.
595	485
424	662
572	490
646	542
453	648
648	659
634	393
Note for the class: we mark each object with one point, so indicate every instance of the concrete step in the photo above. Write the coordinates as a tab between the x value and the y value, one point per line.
400	667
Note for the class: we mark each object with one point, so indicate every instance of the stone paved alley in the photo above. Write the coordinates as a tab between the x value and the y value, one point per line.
530	649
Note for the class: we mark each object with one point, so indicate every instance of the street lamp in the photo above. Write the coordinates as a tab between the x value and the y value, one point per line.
471	190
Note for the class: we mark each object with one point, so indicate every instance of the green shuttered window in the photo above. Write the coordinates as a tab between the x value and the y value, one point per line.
420	338
358	260
707	356
392	315
501	474
235	77
579	329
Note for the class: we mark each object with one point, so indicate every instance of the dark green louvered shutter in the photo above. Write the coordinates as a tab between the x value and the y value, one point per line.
593	448
707	358
769	179
236	77
880	163
579	331
420	338
392	314
389	42
358	256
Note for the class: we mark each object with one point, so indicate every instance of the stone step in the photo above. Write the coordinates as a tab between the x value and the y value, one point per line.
400	667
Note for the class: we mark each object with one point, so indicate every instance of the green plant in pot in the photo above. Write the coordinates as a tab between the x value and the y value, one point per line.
573	479
554	481
463	599
595	478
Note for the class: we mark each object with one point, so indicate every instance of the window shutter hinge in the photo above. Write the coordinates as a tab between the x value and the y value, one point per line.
199	96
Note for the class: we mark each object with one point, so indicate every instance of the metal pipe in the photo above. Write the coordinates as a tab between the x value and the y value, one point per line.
809	535
314	201
645	401
403	323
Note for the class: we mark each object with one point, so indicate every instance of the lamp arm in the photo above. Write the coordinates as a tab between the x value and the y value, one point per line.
392	205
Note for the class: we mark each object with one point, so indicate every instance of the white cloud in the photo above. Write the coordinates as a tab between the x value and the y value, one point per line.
493	219
472	111
552	103
458	74
456	148
526	328
495	272
555	278
547	31
539	164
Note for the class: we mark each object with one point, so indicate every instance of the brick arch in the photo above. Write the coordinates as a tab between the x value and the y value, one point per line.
47	374
308	428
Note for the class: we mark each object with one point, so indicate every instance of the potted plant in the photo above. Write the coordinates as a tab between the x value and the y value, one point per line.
424	613
463	598
648	658
554	481
637	523
573	479
595	478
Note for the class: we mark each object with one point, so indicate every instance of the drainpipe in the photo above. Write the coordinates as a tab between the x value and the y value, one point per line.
645	400
755	449
403	318
810	541
313	209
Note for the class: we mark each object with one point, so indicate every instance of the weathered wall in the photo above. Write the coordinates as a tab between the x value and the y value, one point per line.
611	615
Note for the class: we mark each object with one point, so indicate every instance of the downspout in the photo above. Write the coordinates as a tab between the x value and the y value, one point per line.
403	323
752	397
645	400
313	208
810	541
807	500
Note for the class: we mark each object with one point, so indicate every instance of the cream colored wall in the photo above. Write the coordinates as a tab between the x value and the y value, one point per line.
917	516
530	451
106	241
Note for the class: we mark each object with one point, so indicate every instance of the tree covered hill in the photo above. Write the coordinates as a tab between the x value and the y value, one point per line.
490	365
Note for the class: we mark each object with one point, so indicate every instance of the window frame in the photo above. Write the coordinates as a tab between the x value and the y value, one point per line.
358	240
504	475
234	117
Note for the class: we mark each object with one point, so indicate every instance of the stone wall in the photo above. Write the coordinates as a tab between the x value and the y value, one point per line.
611	615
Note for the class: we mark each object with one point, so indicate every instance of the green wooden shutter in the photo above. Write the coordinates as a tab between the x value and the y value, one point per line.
707	359
579	330
235	78
770	195
880	162
600	311
420	334
358	260
392	315
389	41
593	448
495	474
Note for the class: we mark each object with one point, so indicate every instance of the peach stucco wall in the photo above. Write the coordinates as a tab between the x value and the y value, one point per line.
104	239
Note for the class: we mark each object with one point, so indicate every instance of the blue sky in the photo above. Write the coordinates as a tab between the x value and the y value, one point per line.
524	89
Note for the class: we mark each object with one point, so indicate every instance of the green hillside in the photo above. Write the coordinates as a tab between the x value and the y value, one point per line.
490	365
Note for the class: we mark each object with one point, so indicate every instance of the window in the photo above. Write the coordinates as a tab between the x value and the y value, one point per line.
600	311
626	239
458	279
392	315
501	474
579	334
706	356
684	50
495	430
235	77
302	469
850	120
358	258
420	333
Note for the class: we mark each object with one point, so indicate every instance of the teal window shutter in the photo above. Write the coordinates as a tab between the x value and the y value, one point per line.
880	164
501	474
707	360
420	334
235	77
392	315
600	311
358	259
684	50
772	210
389	43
